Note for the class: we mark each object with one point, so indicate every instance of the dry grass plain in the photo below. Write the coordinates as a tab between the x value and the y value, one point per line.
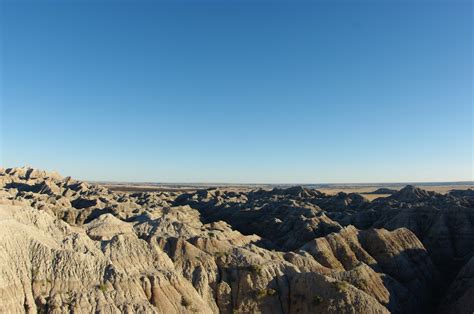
328	188
443	189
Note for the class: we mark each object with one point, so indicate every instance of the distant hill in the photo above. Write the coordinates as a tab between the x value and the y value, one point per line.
382	191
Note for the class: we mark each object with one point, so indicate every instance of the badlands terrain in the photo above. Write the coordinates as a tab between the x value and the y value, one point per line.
71	246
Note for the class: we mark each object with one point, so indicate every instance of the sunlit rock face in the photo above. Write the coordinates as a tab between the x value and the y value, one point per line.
71	246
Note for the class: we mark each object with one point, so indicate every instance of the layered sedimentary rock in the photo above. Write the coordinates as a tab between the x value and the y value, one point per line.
444	223
67	245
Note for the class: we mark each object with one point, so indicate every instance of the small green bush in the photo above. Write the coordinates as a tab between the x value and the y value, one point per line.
186	302
271	292
259	294
103	287
341	286
220	254
257	269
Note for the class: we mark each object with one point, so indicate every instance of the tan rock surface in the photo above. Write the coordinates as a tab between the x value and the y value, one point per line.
70	246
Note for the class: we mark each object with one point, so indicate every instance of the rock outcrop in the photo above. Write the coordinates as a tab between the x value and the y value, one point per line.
383	191
444	223
460	295
71	246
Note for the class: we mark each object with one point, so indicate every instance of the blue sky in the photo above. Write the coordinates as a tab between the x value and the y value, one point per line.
239	91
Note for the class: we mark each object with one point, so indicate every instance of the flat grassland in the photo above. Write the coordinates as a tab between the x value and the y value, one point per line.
330	189
443	189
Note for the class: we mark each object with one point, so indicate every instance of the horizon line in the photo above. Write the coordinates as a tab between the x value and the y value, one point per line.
461	182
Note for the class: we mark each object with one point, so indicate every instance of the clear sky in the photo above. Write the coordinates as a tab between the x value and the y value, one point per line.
239	91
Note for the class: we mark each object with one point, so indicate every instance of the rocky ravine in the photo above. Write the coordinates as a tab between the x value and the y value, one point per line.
68	246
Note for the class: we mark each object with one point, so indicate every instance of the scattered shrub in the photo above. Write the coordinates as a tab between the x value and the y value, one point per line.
341	285
186	302
102	287
257	269
271	292
259	294
220	254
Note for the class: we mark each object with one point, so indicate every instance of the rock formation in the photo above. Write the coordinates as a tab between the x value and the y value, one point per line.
382	191
70	246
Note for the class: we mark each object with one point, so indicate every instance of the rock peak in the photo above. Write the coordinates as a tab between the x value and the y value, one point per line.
410	193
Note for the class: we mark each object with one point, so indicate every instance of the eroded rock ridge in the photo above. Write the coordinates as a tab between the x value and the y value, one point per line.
70	246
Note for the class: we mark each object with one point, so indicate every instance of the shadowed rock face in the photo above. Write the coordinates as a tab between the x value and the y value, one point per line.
460	295
283	218
443	223
66	245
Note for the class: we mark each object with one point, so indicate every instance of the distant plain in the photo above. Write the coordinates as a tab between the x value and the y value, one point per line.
331	189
